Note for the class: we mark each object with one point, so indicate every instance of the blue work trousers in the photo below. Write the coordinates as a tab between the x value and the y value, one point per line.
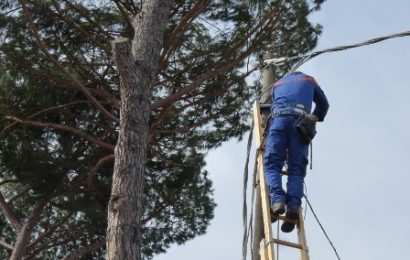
283	140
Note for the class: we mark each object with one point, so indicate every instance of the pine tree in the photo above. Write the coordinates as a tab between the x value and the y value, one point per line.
60	101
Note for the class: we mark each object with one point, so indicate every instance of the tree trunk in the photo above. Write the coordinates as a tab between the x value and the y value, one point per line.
138	72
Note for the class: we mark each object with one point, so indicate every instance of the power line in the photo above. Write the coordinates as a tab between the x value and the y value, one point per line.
305	58
245	186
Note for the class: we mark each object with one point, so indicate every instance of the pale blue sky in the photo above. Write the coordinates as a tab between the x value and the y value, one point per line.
360	177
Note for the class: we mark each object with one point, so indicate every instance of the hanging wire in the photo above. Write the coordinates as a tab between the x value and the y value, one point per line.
306	194
245	186
305	58
255	185
321	226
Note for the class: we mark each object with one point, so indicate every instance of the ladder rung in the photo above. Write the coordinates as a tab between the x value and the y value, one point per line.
284	218
265	105
287	243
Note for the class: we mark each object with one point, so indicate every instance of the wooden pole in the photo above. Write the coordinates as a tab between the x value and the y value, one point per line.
258	235
267	79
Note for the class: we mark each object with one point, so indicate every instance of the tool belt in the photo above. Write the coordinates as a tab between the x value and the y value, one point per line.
306	128
289	109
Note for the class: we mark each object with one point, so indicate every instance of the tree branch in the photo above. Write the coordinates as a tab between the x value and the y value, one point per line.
187	128
175	37
24	236
78	28
99	164
46	245
123	12
259	27
63	106
160	206
216	71
88	18
82	251
41	112
264	27
48	231
9	214
54	61
9	181
65	128
18	195
6	245
196	83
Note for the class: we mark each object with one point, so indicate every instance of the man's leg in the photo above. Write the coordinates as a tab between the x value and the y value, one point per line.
298	154
298	160
275	151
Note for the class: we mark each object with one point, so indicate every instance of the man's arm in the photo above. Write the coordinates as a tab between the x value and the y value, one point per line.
322	105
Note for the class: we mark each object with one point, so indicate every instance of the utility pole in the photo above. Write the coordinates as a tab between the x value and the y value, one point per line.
267	81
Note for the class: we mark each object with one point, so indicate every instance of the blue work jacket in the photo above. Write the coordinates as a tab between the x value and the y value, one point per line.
299	90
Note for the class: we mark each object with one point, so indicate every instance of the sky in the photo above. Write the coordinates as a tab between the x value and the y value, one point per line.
359	183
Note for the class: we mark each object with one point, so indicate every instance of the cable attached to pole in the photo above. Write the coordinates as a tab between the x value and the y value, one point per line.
305	58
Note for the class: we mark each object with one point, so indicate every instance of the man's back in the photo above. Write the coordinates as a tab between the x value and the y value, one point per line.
299	90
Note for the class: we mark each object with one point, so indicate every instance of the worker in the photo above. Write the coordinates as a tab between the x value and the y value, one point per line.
292	98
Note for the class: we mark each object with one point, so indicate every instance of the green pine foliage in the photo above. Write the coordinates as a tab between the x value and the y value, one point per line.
49	128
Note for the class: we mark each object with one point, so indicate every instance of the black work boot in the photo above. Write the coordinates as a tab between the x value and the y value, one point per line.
292	214
277	208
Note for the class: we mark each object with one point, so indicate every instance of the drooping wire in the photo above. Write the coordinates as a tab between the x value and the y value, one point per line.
323	229
305	194
305	58
245	186
255	185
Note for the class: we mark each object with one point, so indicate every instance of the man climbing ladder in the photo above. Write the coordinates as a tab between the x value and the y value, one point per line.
289	134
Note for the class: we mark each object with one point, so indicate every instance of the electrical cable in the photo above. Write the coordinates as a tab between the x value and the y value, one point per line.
321	226
255	185
245	185
306	193
304	58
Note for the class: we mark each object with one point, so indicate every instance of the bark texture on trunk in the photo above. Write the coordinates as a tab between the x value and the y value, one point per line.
137	67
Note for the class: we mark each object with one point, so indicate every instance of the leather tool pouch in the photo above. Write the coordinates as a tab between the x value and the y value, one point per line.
306	128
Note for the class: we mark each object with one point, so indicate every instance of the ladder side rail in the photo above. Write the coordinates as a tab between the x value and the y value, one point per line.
266	250
304	253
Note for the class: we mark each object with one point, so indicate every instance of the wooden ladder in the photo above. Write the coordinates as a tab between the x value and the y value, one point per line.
266	250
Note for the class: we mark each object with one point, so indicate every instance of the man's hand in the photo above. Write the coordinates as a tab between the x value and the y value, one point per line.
313	117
